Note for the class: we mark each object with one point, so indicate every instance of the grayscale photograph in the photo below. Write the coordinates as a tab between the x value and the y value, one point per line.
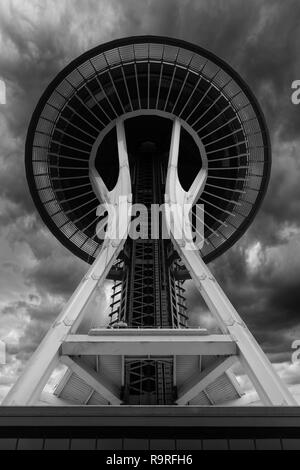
150	228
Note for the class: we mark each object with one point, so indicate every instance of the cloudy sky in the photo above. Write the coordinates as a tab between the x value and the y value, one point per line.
261	273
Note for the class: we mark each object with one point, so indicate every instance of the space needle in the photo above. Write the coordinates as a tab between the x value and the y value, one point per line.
148	120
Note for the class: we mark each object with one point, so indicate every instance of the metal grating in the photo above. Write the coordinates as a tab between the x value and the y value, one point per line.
76	391
221	390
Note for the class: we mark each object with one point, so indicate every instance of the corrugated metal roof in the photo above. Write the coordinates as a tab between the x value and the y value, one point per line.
222	390
111	366
97	399
76	390
201	399
218	392
186	367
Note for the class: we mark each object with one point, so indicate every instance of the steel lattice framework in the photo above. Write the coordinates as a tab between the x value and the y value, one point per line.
149	295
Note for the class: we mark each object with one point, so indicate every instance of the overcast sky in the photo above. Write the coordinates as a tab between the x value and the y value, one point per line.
261	273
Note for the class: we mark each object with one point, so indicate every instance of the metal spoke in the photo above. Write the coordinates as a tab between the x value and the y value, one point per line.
68	188
73	137
160	77
103	90
172	80
66	177
214	118
193	92
136	79
124	80
204	95
113	83
148	78
220	127
97	103
226	189
59	155
53	141
73	168
227	147
206	111
70	123
85	215
82	118
242	167
210	229
82	102
224	137
93	222
183	84
213	217
217	207
76	197
241	155
223	198
226	178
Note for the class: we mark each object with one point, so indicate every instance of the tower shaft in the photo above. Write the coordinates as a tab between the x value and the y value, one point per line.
149	295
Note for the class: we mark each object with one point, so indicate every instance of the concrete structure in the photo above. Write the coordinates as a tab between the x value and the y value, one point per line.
175	430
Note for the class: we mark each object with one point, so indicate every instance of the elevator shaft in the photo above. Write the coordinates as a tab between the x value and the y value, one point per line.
148	296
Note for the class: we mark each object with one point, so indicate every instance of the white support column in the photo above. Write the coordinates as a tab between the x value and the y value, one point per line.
30	384
201	380
270	388
94	380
